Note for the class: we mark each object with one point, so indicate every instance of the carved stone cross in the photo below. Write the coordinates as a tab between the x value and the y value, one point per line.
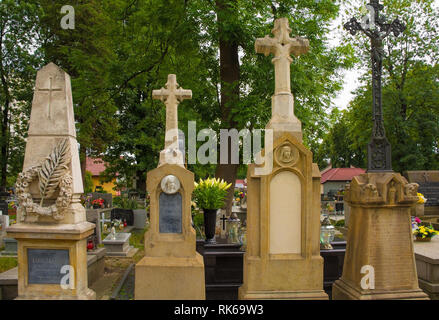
49	91
171	96
282	46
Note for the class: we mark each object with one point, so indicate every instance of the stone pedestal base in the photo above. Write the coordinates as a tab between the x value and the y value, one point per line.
379	261
283	295
341	290
86	295
170	278
289	279
47	257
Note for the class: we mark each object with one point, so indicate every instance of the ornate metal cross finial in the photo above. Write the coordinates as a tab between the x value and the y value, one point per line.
374	26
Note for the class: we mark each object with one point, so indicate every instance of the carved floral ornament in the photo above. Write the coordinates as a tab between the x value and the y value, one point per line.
53	175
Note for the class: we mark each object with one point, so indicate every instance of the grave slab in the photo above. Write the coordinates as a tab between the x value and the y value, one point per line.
427	266
119	246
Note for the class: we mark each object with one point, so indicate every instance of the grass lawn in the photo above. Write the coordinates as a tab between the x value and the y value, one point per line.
7	263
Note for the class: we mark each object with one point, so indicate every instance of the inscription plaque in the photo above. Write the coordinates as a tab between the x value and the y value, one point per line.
44	265
170	213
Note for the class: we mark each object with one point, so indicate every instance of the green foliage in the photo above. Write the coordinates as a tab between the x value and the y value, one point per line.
339	223
125	203
198	220
88	182
410	95
7	263
20	58
210	193
137	239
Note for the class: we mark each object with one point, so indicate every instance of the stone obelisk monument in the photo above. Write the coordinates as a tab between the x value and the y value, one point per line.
171	269
52	227
283	222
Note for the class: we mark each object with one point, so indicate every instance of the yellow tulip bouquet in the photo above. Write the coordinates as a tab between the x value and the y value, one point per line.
210	193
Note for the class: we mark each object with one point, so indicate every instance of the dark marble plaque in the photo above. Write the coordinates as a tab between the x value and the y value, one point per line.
170	213
44	265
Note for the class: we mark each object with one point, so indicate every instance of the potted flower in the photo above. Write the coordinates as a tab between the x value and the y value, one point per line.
424	233
12	208
98	203
420	205
210	194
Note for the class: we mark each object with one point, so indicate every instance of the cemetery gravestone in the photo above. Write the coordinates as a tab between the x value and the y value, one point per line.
171	268
94	217
379	237
51	224
140	216
10	247
283	228
123	214
379	262
428	182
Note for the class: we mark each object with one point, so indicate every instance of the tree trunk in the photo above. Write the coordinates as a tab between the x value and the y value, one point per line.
4	131
229	75
83	162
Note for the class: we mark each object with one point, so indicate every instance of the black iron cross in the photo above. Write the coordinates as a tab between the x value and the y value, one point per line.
224	219
379	149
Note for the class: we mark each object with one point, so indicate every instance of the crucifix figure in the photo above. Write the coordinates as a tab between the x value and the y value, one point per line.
49	91
282	46
379	149
171	96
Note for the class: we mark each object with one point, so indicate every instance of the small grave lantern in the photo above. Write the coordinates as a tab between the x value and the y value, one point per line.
327	233
233	224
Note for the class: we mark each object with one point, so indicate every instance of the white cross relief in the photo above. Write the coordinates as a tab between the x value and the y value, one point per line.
49	91
282	46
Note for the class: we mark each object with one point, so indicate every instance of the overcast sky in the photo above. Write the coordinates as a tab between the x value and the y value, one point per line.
350	77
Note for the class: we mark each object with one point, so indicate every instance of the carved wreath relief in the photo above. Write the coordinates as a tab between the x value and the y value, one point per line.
53	175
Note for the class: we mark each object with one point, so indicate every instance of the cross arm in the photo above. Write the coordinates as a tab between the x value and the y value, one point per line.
299	46
265	45
160	94
183	94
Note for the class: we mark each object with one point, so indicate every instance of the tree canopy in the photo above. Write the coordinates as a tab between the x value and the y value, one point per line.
121	50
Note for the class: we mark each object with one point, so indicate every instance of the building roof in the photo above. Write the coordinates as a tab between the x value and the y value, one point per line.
95	166
340	174
240	183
